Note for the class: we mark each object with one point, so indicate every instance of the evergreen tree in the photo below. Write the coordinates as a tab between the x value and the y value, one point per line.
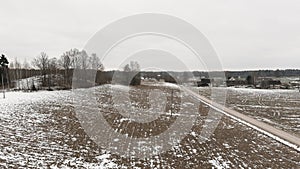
3	65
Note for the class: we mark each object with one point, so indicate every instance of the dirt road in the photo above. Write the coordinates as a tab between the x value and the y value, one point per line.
277	134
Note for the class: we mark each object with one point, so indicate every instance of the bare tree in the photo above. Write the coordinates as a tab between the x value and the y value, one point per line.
52	66
65	63
26	67
83	59
134	66
12	75
127	68
26	64
68	61
74	58
95	62
17	72
42	62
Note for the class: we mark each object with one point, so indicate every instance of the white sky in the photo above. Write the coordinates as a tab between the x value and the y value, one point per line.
251	34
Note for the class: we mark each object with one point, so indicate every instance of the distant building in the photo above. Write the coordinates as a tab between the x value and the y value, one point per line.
295	83
267	83
203	82
236	81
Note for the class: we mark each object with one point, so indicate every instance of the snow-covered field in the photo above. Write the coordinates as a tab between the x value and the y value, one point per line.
279	108
41	130
37	132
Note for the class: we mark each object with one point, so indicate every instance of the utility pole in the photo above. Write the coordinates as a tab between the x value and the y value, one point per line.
172	104
3	88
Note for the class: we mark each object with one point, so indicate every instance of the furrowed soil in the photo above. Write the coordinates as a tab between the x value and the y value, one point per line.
278	108
42	130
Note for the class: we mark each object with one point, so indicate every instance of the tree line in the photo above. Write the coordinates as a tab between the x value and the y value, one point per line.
53	70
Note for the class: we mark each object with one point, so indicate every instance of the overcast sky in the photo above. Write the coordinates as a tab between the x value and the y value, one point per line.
246	34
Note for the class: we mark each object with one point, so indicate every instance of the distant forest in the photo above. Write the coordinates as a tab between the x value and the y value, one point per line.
59	71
